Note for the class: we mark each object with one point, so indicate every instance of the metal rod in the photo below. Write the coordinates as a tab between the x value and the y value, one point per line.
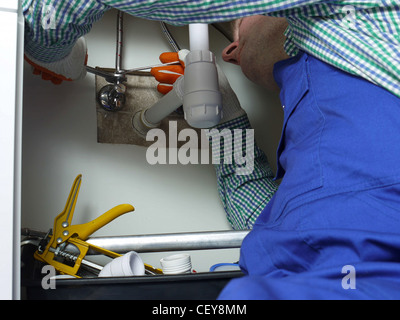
171	241
120	25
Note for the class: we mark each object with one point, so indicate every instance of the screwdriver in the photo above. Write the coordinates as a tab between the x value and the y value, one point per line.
123	72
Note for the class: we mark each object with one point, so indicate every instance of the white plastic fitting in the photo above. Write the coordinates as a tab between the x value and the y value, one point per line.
202	100
167	104
130	264
147	119
177	263
198	90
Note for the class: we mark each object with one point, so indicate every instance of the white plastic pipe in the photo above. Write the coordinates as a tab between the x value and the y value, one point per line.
144	121
202	101
198	90
169	103
198	36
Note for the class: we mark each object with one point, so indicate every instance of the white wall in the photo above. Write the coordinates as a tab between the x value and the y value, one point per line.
59	142
10	90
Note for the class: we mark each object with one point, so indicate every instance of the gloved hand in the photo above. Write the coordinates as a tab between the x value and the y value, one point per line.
72	67
167	75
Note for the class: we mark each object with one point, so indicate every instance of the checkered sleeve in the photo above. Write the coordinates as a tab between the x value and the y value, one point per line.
360	37
52	27
244	194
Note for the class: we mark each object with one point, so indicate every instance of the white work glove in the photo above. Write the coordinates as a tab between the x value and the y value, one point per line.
72	67
167	75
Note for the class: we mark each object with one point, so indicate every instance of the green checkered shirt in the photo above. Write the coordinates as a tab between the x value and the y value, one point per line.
358	36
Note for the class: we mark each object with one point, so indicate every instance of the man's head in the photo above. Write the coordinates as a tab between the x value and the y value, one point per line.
257	46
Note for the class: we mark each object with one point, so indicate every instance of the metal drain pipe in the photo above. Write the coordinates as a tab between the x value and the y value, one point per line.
171	241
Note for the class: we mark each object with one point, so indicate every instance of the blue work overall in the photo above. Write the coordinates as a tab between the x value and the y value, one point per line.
332	230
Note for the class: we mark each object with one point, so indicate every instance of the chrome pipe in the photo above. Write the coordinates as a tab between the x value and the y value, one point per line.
171	241
120	26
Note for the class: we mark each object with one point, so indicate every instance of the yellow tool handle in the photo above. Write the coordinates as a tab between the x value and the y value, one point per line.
86	229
